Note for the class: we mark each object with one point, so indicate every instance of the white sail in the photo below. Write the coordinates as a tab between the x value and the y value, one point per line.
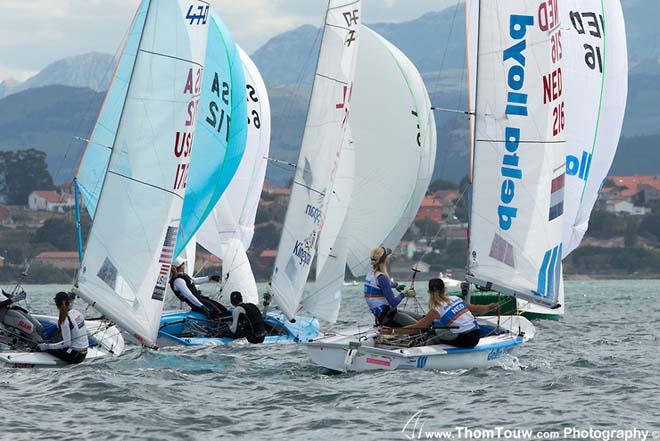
128	256
596	87
394	160
519	157
327	119
324	300
227	232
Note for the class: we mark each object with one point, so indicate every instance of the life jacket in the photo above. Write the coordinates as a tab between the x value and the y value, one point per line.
189	283
251	325
456	315
374	295
76	323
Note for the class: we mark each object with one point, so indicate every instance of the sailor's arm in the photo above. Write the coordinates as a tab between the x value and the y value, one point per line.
423	323
181	286
205	279
483	309
385	285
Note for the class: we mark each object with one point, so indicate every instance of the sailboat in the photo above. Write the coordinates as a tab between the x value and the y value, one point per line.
228	230
322	183
128	254
517	177
595	85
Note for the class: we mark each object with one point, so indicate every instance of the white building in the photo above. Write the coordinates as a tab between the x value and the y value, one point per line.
49	201
625	207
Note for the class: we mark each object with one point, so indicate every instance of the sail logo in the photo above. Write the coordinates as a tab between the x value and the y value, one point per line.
550	272
579	166
314	213
200	17
516	106
300	252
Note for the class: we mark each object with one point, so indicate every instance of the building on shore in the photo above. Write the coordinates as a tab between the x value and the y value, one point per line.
66	260
48	200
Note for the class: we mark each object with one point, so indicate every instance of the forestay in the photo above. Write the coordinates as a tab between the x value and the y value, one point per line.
227	232
128	256
97	152
596	88
519	157
327	119
220	134
394	132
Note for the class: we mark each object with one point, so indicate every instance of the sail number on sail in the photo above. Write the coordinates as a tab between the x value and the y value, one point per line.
183	143
213	120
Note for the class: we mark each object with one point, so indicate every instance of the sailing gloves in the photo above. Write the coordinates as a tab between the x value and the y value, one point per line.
400	287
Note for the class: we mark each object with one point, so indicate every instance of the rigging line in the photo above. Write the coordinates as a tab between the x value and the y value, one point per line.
445	109
89	141
309	188
172	57
332	79
437	81
145	183
344	5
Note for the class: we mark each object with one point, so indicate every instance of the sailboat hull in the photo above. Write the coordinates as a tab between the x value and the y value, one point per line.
104	343
177	329
359	351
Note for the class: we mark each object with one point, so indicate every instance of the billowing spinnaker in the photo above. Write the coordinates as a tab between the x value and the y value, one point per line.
519	169
327	119
221	131
227	232
242	195
97	152
128	256
596	88
393	130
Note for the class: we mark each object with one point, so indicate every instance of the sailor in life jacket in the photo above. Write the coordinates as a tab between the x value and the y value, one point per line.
449	318
185	289
247	321
378	293
71	323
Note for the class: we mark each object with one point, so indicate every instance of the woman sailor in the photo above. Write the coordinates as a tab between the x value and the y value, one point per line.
379	295
450	319
71	324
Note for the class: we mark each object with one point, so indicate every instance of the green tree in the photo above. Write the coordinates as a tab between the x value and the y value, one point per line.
60	233
22	172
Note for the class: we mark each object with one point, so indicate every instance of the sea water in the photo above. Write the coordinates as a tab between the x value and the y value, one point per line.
598	369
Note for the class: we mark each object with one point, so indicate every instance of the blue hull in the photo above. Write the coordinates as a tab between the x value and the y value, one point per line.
173	326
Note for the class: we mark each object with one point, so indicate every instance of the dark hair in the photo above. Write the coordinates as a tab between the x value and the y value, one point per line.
236	298
62	299
436	285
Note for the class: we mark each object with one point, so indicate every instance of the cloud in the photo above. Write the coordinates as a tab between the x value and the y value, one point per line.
34	33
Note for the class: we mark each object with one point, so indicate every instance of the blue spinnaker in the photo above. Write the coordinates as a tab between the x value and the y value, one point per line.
221	131
97	154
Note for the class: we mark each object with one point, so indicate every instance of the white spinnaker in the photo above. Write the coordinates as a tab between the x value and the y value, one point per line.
519	158
596	89
128	256
228	230
327	119
393	129
324	300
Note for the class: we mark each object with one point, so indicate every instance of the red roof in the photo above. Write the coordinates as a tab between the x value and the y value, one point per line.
208	257
53	196
276	189
631	183
430	203
268	253
57	255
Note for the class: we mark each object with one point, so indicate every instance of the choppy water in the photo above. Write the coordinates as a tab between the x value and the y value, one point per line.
598	367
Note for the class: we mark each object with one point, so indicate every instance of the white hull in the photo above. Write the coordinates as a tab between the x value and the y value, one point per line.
111	343
357	351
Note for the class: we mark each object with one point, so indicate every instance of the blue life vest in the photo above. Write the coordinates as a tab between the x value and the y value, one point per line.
374	295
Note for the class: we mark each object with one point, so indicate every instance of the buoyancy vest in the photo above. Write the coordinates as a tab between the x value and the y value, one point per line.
252	324
76	322
189	283
455	315
373	294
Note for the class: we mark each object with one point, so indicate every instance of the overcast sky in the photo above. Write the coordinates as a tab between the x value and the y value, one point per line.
34	33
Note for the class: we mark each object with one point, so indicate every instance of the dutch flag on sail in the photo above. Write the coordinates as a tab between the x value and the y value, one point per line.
557	197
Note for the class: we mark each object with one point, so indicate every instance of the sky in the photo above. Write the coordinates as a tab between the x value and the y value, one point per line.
34	33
